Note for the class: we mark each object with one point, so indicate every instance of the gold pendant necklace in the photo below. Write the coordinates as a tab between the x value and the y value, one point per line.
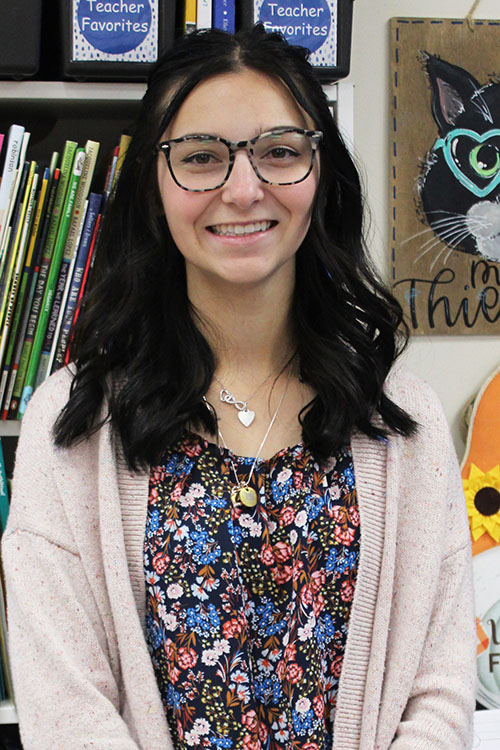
243	494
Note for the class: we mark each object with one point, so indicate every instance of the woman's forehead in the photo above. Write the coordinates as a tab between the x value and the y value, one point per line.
242	100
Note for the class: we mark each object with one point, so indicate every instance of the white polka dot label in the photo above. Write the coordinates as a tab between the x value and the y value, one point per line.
322	26
117	30
115	39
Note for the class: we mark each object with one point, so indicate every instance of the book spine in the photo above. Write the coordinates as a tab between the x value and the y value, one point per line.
224	15
76	282
14	142
14	188
204	14
26	275
52	277
49	244
122	151
70	246
85	280
30	316
91	152
16	275
19	241
62	306
111	171
12	231
190	16
4	660
4	494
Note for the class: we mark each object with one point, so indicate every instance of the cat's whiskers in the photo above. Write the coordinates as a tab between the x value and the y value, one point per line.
444	224
429	228
453	238
455	234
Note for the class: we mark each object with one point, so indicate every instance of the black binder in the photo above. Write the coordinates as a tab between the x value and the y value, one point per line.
20	26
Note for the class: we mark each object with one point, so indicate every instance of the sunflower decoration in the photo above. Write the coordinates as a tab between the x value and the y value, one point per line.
481	467
482	493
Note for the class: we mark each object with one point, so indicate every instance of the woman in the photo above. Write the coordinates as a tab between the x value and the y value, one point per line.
246	529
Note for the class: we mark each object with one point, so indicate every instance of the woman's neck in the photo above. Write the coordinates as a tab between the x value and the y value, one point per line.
249	331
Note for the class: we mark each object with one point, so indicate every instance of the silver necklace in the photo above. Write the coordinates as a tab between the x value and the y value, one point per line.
245	415
243	493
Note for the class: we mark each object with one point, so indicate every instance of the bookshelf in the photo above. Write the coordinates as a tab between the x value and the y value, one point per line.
55	110
7	712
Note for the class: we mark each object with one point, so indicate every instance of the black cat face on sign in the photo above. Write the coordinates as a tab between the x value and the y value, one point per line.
459	187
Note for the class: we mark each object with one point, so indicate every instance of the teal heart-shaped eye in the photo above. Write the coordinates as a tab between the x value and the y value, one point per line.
485	159
482	162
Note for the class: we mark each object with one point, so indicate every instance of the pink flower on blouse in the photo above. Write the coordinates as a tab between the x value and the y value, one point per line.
294	672
187	657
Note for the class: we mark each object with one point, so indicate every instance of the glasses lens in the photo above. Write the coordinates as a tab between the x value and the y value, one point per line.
283	158
199	163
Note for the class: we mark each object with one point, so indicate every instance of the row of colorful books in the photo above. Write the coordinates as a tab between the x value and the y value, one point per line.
210	14
49	227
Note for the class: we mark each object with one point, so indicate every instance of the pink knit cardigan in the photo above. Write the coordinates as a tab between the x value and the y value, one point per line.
73	561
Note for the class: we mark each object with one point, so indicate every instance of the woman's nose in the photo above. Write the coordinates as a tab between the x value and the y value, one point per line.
243	186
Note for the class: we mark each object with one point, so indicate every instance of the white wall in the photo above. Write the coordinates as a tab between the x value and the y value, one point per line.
455	366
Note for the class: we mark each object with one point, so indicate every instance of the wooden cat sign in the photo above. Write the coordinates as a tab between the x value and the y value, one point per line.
445	174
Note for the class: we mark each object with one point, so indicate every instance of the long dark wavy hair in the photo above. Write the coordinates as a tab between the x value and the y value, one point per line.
137	345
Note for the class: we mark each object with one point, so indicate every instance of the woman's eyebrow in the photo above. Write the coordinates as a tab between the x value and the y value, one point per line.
214	134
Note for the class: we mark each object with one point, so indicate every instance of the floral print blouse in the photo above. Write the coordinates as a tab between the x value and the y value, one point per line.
247	608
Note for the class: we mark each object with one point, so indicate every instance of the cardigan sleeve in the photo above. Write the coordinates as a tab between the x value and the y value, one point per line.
66	685
65	692
439	712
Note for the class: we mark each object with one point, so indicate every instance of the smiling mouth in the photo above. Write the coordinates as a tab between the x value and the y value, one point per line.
240	230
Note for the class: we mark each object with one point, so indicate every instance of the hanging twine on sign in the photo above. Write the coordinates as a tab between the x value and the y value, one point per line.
469	15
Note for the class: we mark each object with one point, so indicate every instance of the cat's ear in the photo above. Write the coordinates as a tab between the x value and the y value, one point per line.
452	89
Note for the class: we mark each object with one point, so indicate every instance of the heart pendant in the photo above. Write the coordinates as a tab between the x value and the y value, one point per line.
246	417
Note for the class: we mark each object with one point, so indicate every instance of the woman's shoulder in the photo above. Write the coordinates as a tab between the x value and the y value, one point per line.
414	395
50	397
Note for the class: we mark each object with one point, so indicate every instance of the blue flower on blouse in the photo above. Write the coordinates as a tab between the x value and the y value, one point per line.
314	504
302	722
349	477
332	559
222	742
173	698
201	620
328	625
351	559
281	490
235	532
216	502
171	464
153	523
268	689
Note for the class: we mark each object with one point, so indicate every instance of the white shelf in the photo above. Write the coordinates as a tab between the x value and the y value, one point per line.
71	90
9	427
8	713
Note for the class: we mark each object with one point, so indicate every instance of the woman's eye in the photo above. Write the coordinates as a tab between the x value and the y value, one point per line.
201	158
280	152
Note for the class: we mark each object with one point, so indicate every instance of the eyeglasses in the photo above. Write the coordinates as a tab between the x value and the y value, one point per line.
283	156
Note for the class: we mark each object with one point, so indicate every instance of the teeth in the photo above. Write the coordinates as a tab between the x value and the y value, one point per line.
236	230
